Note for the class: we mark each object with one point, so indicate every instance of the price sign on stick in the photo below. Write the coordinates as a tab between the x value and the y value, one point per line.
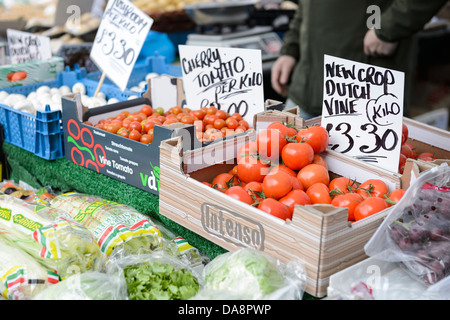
229	78
363	111
119	41
26	47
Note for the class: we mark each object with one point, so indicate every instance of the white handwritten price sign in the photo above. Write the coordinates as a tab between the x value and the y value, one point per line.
229	78
363	111
119	40
26	47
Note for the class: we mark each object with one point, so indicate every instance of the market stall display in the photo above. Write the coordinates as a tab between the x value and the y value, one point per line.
133	194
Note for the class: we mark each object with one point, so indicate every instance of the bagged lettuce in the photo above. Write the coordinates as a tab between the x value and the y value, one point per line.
86	286
21	276
50	236
113	225
248	274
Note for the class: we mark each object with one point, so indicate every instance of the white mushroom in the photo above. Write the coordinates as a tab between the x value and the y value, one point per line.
113	100
65	90
42	89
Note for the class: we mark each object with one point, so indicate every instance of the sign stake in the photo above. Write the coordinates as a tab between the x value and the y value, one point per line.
102	79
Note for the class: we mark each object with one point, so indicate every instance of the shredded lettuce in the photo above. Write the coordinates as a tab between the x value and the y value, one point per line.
157	281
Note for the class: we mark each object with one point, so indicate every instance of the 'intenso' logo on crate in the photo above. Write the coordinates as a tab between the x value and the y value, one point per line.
232	227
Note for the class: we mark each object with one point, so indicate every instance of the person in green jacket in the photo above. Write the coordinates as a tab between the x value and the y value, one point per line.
347	29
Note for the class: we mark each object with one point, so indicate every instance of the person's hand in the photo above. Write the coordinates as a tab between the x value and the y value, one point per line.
375	47
281	71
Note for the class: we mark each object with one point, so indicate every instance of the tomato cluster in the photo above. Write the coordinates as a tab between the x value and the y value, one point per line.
210	122
407	151
283	168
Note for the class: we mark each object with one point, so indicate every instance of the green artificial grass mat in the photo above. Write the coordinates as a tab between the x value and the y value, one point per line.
65	176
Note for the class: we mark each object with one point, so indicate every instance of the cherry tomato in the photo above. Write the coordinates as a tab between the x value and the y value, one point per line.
187	119
297	155
250	169
135	135
368	207
287	131
239	193
313	173
319	193
135	125
270	143
221	114
316	136
231	123
219	123
146	138
199	114
342	185
395	196
147	110
275	208
277	185
373	188
349	201
295	197
407	150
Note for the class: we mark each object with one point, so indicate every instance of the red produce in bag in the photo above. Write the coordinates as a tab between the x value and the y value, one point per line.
416	233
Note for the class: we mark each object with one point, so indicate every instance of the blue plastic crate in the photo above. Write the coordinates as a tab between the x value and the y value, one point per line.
42	134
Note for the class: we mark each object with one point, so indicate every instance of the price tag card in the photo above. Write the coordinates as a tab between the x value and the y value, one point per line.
26	47
363	111
229	78
119	40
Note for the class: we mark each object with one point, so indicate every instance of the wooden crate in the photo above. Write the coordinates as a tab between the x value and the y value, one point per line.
318	235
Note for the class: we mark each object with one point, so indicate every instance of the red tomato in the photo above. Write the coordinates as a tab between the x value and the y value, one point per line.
286	130
239	193
277	185
395	196
319	193
373	188
401	164
223	181
368	207
295	197
318	159
407	150
313	173
349	201
281	168
249	149
250	169
342	185
254	189
404	133
221	114
316	136
275	208
426	156
297	155
199	114
135	125
270	142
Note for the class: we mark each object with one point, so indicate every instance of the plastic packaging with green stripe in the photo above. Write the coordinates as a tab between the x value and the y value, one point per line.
113	225
21	276
50	236
119	227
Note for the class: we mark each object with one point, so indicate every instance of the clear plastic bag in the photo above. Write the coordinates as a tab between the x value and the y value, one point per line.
86	286
249	274
155	276
416	233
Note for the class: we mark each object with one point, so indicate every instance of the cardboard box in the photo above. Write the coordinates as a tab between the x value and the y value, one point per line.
36	72
319	235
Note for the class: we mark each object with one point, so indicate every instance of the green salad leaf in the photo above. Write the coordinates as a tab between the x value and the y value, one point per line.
157	281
